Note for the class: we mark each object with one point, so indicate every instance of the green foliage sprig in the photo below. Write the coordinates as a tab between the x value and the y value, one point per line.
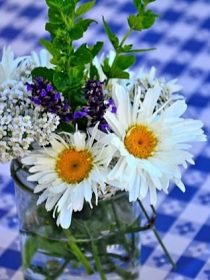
66	25
125	53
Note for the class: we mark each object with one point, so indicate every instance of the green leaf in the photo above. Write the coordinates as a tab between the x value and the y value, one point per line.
77	252
54	16
126	48
96	48
52	28
49	46
137	4
60	80
43	72
118	73
112	37
121	63
79	28
114	71
149	19
141	50
29	250
148	1
141	4
68	7
106	67
124	62
84	8
67	127
135	22
54	3
94	73
85	23
75	75
82	55
76	32
142	21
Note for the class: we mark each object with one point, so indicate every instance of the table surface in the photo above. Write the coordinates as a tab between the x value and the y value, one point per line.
182	39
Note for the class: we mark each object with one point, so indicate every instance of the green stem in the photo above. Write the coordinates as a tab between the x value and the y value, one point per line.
126	245
58	273
157	235
118	50
98	263
78	253
129	32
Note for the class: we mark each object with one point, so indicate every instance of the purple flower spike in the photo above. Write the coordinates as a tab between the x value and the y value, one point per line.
45	95
49	88
80	114
97	104
57	96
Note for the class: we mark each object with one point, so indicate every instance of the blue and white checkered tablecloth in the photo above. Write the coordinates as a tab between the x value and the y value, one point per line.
182	39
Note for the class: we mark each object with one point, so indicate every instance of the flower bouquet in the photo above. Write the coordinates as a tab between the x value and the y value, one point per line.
89	140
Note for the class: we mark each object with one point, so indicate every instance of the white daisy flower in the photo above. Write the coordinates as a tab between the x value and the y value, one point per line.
148	80
25	67
151	144
42	59
8	65
68	173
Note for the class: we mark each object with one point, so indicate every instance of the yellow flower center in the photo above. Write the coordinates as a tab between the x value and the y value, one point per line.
140	141
74	166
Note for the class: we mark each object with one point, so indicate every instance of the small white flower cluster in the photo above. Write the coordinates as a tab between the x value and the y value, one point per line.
148	81
28	63
23	71
19	69
21	123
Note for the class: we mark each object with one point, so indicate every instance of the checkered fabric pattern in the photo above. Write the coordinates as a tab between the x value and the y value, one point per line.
182	39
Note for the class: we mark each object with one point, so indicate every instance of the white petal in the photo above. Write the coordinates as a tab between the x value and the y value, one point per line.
150	101
51	201
64	199
144	187
77	198
180	185
95	190
122	100
29	160
135	191
79	140
136	104
59	188
38	168
153	195
40	188
47	161
176	110
94	133
114	123
42	197
37	176
57	146
64	217
48	178
88	193
118	170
